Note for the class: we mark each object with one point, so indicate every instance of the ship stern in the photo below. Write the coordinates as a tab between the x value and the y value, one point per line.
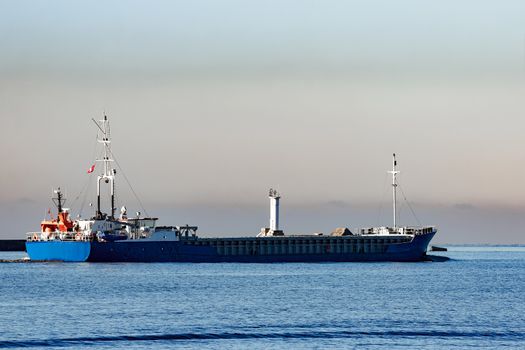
67	251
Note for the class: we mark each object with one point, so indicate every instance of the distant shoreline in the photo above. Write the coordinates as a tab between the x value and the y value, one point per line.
12	245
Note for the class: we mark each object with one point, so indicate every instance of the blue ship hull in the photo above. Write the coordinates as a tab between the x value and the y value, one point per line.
181	251
70	251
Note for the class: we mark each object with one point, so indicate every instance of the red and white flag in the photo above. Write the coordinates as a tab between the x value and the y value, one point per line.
91	169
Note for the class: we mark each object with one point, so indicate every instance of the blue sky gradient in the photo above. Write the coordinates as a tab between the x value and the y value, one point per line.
213	102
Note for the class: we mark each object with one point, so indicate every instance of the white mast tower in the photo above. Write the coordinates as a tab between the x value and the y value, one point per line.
274	210
109	172
273	230
394	173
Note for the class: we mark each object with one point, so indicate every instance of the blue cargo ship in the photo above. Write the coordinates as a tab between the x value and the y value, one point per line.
107	238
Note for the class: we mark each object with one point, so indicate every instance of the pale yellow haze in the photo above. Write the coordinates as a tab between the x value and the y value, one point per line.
211	103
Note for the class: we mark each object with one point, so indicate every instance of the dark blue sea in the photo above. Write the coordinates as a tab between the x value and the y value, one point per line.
475	300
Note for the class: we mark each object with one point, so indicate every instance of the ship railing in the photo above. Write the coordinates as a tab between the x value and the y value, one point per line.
418	230
57	236
408	230
166	228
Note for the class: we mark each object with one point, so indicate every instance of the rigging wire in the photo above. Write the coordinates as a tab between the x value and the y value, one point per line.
85	188
408	204
129	184
85	196
381	203
90	182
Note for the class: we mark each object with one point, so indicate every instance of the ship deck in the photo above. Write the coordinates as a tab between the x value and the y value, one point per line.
300	244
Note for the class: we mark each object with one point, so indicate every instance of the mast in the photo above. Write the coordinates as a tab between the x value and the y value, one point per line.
109	173
394	172
59	200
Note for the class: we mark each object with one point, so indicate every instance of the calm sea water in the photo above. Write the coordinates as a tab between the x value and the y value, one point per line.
476	300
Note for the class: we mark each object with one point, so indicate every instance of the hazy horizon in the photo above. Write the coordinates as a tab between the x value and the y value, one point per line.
211	104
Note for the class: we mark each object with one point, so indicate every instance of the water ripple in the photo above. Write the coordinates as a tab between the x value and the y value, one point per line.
65	342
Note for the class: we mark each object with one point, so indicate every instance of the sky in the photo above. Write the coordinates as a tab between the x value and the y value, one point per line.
212	103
